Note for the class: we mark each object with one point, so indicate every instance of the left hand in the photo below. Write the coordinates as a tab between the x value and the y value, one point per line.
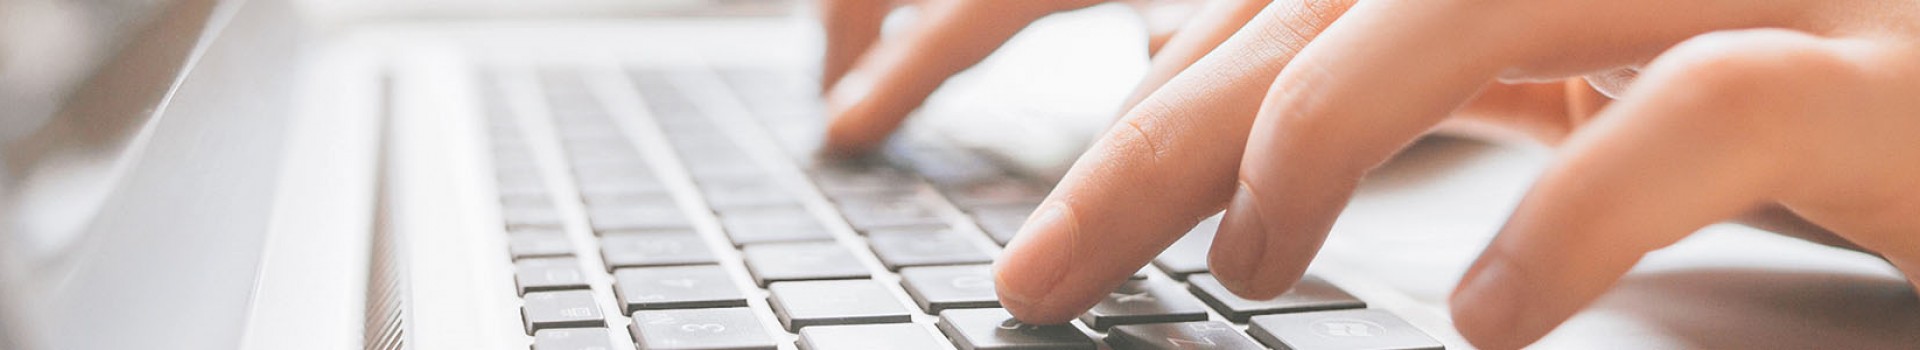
872	83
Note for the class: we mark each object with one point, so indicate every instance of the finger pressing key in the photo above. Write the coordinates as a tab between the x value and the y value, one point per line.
1159	171
1325	123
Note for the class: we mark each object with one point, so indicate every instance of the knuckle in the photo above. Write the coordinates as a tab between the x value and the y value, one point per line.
1297	22
1759	69
1324	10
1132	141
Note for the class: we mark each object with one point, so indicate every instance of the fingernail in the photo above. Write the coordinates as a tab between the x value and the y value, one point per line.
1240	244
1488	303
1031	267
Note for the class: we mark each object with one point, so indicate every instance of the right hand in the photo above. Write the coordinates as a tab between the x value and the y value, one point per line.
1806	125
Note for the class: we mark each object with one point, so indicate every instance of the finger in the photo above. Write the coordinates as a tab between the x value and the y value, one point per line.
1607	39
1166	165
1703	138
1387	73
1324	124
851	26
898	74
1207	28
1862	187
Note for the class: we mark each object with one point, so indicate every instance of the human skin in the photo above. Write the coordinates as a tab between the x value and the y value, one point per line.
1798	116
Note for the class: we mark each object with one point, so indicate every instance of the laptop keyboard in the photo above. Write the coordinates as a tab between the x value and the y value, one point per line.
892	252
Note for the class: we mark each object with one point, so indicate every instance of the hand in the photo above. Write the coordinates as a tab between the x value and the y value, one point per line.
871	84
1816	116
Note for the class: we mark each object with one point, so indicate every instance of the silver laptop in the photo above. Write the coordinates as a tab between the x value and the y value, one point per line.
215	174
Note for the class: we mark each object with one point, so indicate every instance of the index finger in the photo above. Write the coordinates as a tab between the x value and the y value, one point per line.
1169	163
1363	90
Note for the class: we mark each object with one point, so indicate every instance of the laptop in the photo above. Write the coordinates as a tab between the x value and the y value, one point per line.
232	177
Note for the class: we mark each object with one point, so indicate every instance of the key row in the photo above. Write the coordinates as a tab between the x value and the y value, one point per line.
984	329
933	289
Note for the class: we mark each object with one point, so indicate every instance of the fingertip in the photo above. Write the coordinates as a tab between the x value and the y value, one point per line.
1241	252
1030	313
1483	307
1239	245
847	139
851	129
1026	276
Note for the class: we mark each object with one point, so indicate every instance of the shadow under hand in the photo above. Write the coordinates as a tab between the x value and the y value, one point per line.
1745	308
1427	159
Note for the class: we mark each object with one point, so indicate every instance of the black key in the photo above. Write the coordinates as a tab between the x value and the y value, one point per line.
515	160
699	329
849	169
1002	222
534	243
868	336
1341	329
610	199
510	147
1204	335
757	192
1310	294
523	179
705	144
519	178
995	329
939	288
813	303
509	190
637	216
606	188
572	339
676	287
533	216
560	309
583	133
525	200
895	211
601	153
997	191
899	248
776	97
864	182
801	261
665	99
615	143
543	274
772	224
637	171
1189	254
1142	301
633	249
947	166
729	165
591	145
